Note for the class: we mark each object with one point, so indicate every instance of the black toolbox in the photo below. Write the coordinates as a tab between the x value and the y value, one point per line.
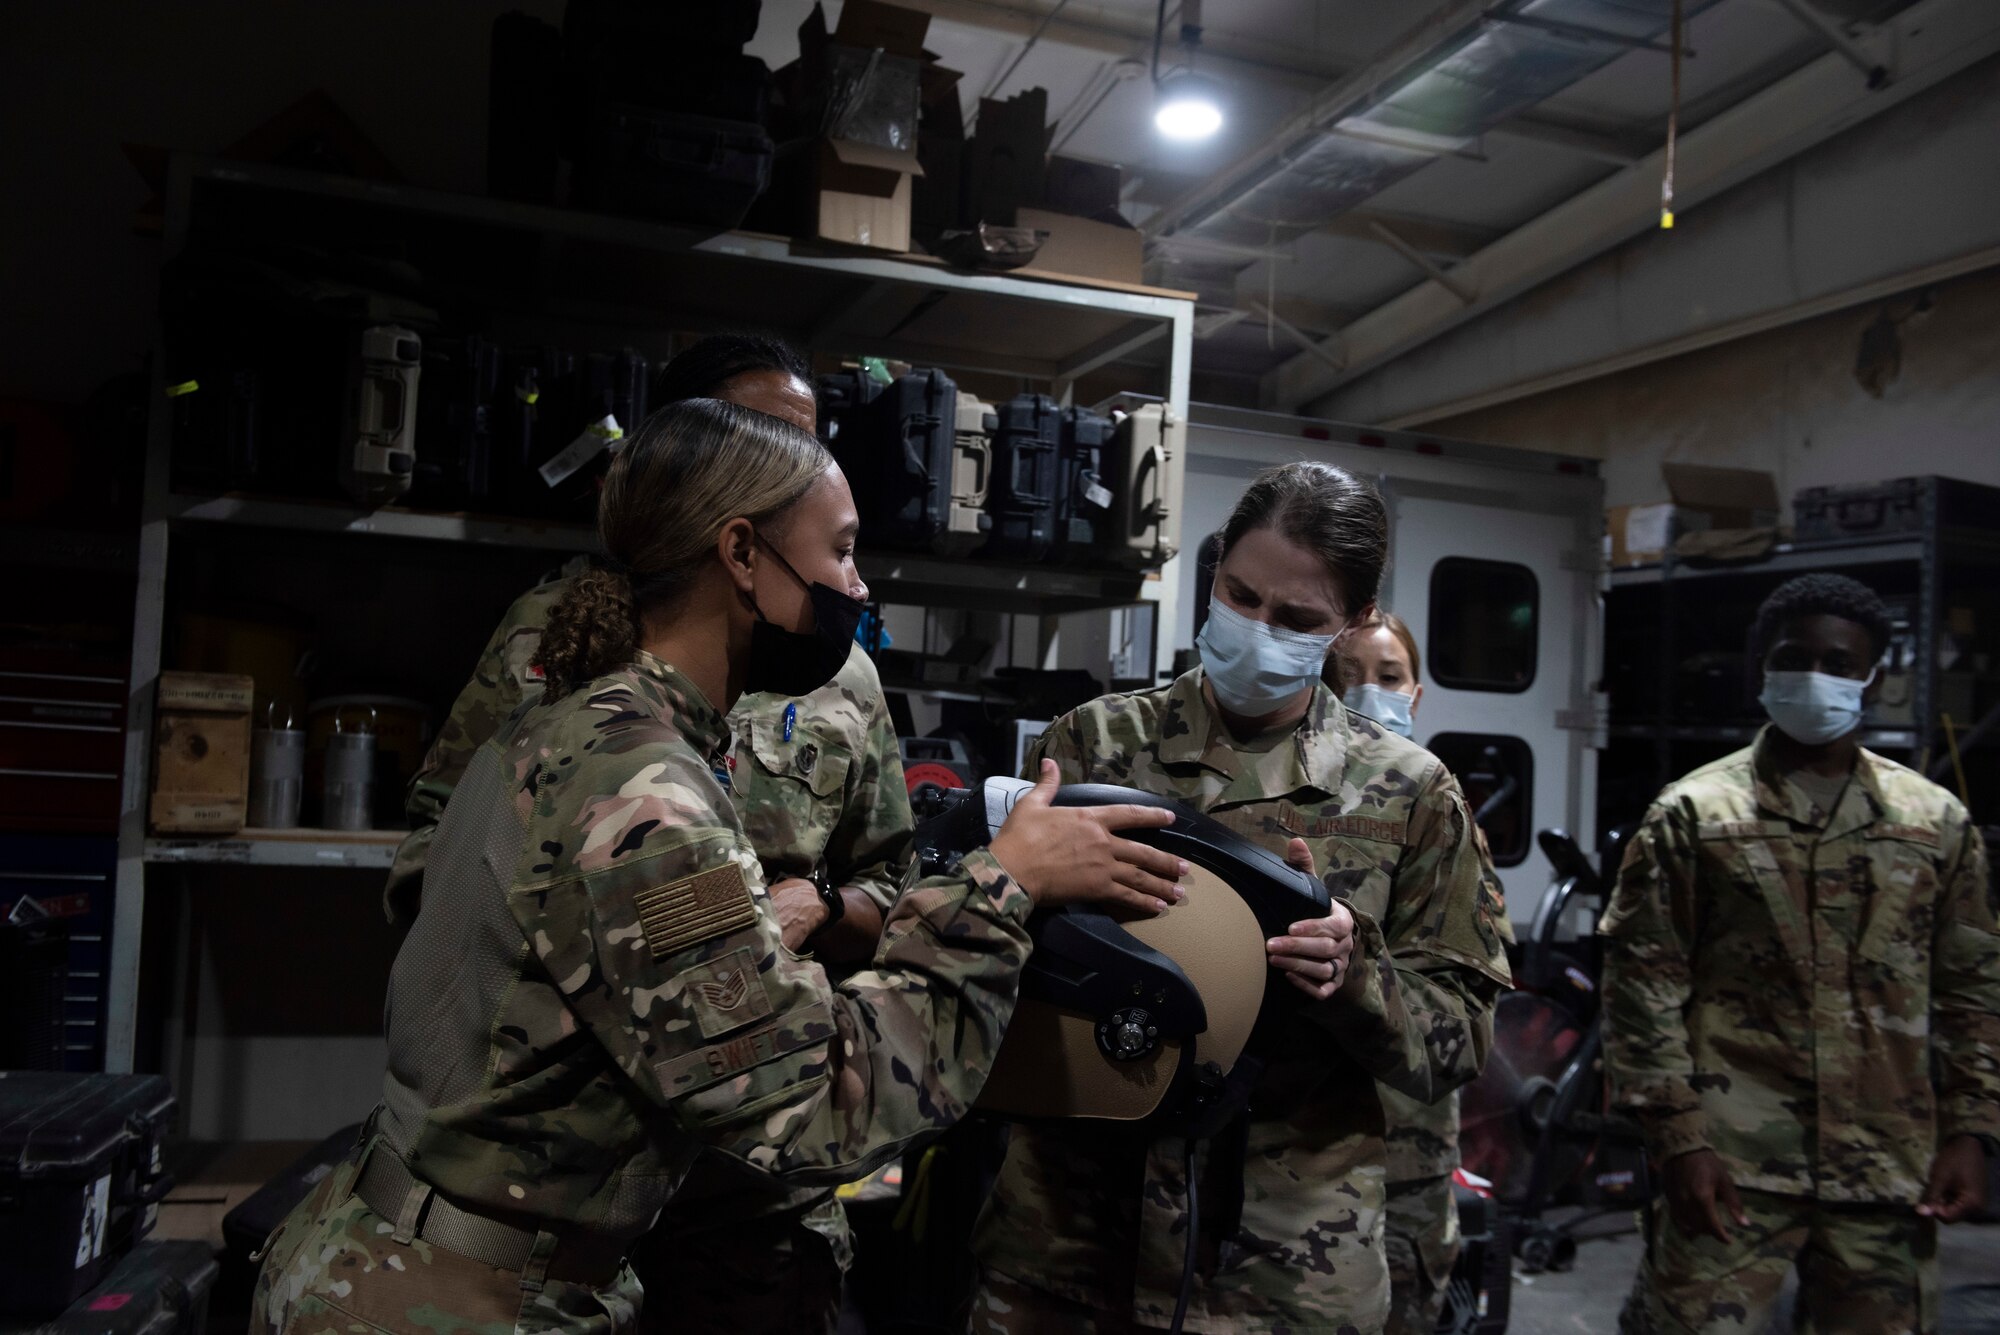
1901	506
1022	493
158	1288
81	1177
671	165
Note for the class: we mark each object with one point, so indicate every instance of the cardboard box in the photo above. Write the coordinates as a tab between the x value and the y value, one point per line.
201	767
1703	499
1006	159
1082	189
1081	248
860	195
863	81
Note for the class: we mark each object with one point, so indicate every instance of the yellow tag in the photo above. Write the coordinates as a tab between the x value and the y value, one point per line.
185	387
1667	219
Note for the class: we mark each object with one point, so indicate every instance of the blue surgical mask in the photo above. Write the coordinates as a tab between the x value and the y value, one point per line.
1255	667
1813	708
1389	708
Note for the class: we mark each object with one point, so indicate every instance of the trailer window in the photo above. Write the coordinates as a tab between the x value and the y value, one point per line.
1485	619
1497	773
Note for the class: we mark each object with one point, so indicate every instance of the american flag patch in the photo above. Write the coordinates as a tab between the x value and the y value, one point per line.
699	908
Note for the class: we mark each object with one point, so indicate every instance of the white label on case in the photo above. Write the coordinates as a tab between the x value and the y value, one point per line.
96	1213
594	440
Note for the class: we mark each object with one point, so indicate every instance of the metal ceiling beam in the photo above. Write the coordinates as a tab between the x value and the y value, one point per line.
1836	37
1727	332
1935	38
1327	350
1416	257
1223	54
1595	145
1434	238
1353	91
1583	32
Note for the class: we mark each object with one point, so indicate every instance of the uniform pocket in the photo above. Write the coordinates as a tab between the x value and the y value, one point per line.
809	760
1902	906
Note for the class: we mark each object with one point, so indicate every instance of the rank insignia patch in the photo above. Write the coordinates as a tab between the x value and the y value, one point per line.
726	993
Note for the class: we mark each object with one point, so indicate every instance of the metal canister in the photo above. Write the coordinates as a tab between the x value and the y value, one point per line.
277	773
350	778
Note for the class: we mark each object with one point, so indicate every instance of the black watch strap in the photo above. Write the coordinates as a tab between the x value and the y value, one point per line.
829	895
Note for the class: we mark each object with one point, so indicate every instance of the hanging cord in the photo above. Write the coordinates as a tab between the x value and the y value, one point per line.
1673	123
1193	1240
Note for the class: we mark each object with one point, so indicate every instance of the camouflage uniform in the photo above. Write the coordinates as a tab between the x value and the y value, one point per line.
1091	1218
825	790
598	989
1815	996
1420	1227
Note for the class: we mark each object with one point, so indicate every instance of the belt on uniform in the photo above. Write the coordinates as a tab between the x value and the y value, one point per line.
416	1209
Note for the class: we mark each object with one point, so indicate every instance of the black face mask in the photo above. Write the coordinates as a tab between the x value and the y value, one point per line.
795	663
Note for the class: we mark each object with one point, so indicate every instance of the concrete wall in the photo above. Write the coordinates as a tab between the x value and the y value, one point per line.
1789	401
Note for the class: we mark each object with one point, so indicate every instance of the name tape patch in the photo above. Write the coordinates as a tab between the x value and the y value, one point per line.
1742	829
696	909
1915	834
1345	827
703	1067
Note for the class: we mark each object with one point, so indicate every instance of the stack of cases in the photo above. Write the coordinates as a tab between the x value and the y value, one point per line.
81	1178
664	111
159	1288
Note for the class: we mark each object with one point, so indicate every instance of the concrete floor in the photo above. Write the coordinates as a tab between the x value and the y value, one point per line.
1585	1300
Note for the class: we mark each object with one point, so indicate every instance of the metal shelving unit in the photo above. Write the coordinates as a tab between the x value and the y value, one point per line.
1927	562
607	270
282	848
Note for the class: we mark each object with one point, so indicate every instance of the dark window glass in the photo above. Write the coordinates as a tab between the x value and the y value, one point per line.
1498	776
1485	619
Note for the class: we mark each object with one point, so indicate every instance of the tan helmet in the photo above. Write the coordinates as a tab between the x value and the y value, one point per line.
1139	1020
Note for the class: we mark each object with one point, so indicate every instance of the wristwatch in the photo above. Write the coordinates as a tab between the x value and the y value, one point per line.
829	895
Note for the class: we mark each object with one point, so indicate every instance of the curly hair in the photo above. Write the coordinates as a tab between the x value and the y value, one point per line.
1823	595
690	469
1325	509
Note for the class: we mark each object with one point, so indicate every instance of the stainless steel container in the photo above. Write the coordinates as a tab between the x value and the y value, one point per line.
350	780
277	777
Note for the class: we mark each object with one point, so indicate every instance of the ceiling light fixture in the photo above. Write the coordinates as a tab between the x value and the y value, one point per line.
1186	107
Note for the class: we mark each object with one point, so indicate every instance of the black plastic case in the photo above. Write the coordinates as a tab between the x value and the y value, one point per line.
1083	498
81	1177
897	450
671	165
160	1288
1022	495
258	1215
